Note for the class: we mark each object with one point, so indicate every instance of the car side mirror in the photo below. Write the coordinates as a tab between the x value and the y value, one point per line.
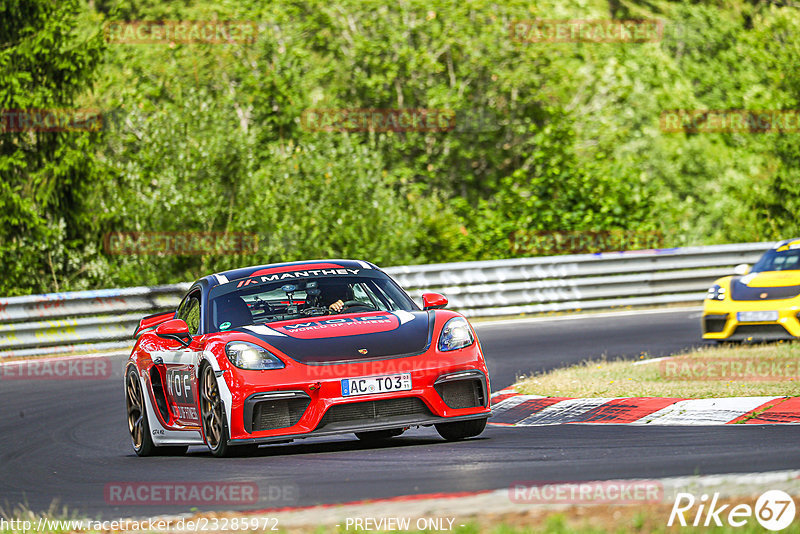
741	269
433	301
176	329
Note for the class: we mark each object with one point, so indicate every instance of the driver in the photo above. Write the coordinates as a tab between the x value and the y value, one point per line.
335	295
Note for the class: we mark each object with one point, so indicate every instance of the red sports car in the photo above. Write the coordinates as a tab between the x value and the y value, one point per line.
277	352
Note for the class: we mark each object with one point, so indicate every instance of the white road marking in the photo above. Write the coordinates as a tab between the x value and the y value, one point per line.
565	411
511	402
703	411
507	322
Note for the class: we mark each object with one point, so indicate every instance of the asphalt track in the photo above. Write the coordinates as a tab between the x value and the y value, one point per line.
65	441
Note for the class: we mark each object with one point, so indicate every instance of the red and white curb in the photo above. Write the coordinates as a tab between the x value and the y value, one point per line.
513	409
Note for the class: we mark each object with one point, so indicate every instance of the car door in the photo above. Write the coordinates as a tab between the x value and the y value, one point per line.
180	365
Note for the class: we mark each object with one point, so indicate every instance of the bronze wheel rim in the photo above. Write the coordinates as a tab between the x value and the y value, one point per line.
134	403
211	408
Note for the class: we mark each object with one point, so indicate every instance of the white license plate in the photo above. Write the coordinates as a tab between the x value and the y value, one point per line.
757	316
375	384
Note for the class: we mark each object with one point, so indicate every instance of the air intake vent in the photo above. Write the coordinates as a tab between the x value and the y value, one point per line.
374	410
279	413
761	332
714	323
461	393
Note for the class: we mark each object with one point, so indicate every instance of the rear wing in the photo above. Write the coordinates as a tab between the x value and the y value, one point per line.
150	322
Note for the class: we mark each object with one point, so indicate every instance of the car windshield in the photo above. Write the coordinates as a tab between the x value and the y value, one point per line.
260	301
787	260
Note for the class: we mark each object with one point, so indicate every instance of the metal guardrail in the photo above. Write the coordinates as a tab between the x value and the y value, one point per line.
80	320
105	319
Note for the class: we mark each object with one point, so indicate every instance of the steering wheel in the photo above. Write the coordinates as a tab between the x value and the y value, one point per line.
314	310
357	304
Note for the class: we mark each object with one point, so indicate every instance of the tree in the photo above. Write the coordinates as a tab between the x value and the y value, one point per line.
47	62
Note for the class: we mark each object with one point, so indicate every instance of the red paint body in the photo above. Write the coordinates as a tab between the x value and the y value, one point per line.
176	369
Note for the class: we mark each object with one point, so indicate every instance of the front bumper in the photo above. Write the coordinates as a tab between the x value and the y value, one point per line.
387	424
720	320
307	400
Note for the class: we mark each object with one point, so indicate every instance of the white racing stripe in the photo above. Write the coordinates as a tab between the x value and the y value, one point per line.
263	330
703	411
403	316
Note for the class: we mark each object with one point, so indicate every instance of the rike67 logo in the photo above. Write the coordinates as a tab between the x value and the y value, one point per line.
774	510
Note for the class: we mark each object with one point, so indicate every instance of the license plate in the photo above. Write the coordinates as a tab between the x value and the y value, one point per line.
757	316
375	384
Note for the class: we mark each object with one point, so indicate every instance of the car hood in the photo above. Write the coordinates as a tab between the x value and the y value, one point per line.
772	279
349	337
767	285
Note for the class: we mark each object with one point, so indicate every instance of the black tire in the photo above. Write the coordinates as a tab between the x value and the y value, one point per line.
461	429
212	415
138	426
374	436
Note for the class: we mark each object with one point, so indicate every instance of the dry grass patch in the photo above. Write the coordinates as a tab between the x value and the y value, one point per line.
724	371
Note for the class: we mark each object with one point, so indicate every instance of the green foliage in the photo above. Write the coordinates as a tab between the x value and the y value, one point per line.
47	61
548	136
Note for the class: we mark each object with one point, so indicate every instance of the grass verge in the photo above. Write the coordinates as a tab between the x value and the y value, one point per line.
586	519
724	371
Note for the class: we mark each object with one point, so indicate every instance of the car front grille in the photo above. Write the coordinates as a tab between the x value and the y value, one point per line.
461	393
373	410
714	323
278	413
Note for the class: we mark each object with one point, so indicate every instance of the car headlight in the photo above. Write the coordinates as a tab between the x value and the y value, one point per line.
716	292
251	357
456	334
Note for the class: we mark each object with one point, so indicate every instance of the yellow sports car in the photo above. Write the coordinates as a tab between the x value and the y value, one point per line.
759	304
